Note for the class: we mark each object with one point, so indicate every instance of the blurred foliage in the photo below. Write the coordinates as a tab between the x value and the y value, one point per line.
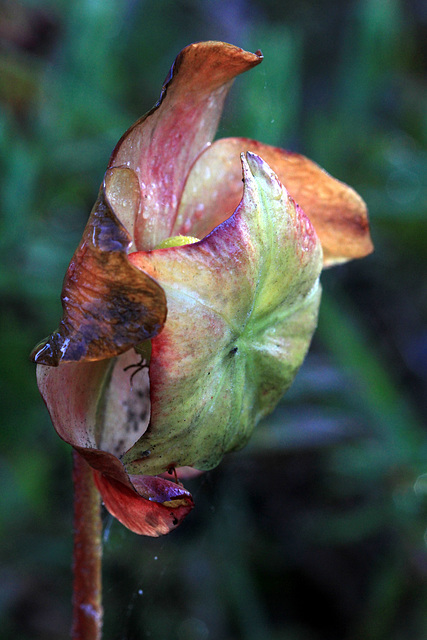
314	531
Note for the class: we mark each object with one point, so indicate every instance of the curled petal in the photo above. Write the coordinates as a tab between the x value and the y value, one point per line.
96	409
214	189
108	305
152	508
74	395
242	307
163	144
122	191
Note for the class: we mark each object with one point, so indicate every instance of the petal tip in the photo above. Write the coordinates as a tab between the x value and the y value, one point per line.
47	352
153	514
255	167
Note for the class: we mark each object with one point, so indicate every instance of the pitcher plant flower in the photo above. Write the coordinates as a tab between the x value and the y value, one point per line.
191	301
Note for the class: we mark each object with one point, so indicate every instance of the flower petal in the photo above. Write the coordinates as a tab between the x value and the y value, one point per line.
71	392
75	397
214	189
108	305
143	515
96	407
242	307
163	144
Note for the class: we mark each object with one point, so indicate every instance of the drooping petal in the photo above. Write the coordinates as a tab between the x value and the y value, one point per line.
162	146
214	189
242	308
140	514
74	394
108	305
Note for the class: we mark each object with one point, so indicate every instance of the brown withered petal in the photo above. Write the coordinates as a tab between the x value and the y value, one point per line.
108	305
214	189
162	146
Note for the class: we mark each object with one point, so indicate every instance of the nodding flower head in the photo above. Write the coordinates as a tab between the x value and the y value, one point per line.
190	303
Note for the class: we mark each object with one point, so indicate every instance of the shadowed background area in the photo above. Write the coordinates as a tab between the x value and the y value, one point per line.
316	530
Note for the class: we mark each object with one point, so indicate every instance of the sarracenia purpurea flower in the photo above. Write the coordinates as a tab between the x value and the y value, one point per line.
171	349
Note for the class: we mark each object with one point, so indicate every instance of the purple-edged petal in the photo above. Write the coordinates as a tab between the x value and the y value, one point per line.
214	189
95	409
163	144
169	503
108	305
242	307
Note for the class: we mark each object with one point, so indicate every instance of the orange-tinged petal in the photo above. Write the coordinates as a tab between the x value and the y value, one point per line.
108	305
162	146
141	514
214	189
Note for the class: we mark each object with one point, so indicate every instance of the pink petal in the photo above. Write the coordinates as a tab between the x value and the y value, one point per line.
89	404
214	189
163	144
73	393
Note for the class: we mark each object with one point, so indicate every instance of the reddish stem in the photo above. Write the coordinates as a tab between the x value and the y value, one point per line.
87	559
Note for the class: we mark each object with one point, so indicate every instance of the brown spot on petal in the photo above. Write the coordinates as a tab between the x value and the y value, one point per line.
152	520
108	304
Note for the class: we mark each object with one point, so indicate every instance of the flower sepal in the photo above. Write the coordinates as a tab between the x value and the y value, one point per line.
242	308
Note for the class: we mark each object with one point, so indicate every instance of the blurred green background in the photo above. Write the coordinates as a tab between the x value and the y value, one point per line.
316	531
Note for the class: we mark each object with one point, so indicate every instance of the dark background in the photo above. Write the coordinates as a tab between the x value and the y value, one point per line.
316	530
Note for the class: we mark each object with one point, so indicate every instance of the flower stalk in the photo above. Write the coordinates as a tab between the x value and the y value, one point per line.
87	558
